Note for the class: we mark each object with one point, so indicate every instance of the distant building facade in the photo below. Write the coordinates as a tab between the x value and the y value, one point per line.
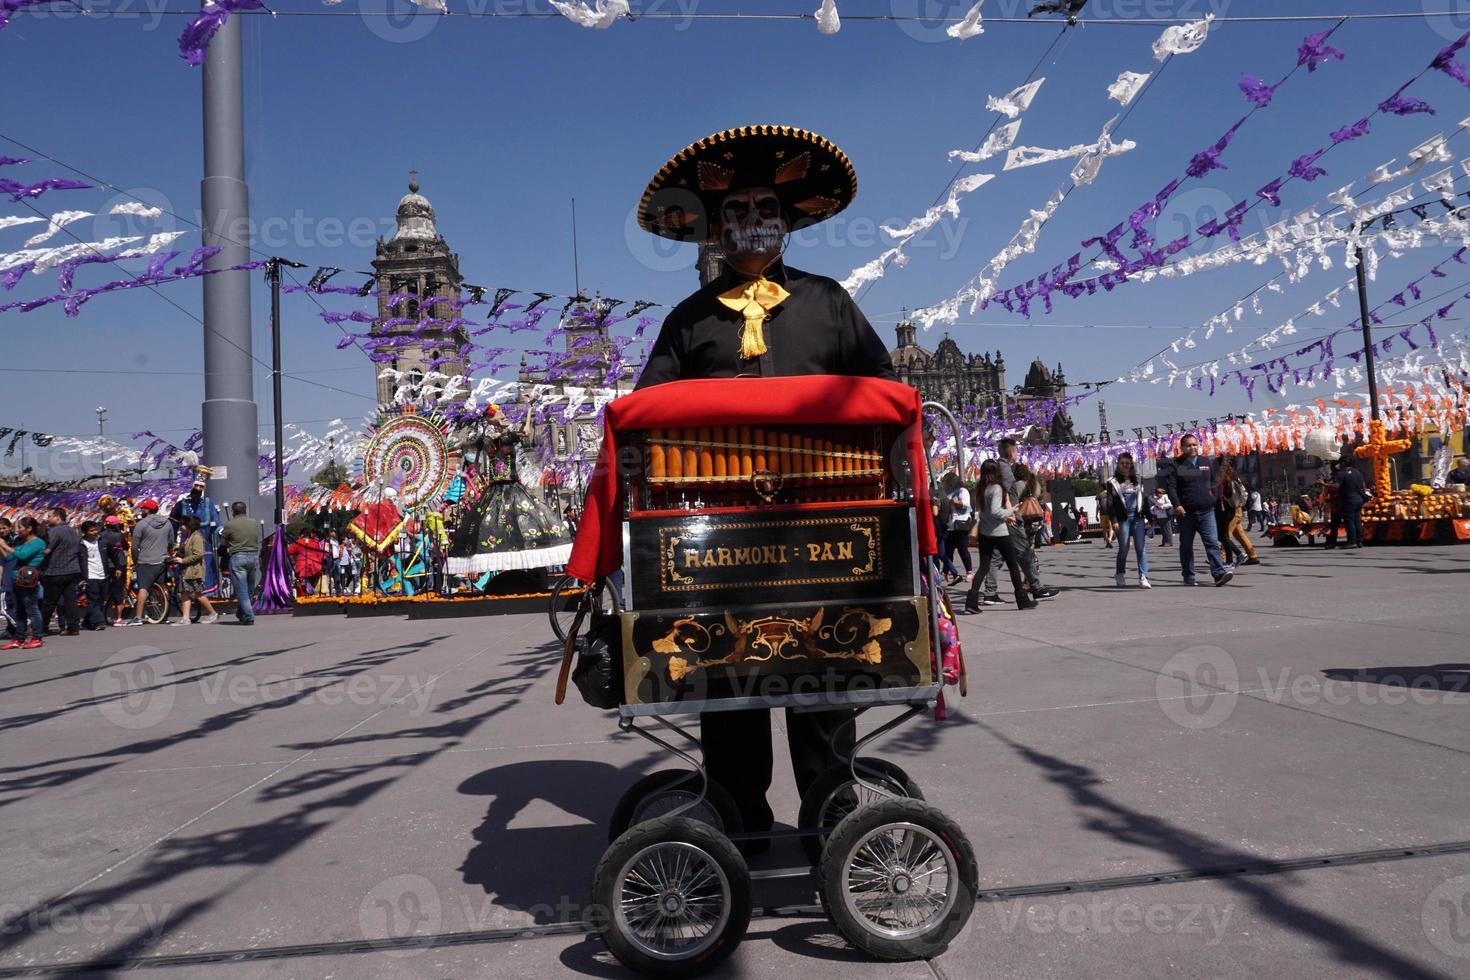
417	276
955	379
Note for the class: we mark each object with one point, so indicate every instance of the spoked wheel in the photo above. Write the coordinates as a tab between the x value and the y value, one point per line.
155	606
568	594
898	879
660	793
834	795
671	898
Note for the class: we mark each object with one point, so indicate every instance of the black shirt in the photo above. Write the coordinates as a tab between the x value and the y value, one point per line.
1350	486
66	552
1191	486
817	329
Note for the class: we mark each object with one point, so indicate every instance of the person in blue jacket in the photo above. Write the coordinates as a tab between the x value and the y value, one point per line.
1191	485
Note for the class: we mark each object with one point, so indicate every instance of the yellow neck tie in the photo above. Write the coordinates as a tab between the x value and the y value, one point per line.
753	300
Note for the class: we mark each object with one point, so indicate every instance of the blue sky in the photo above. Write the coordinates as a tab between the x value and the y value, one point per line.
507	119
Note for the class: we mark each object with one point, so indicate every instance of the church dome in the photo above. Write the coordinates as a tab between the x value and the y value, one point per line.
415	216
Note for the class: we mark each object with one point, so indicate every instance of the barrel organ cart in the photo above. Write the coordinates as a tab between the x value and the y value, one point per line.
772	534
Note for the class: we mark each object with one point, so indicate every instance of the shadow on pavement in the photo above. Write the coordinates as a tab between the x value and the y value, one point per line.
1098	814
1453	678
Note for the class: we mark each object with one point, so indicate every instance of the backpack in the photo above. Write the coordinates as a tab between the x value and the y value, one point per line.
1235	495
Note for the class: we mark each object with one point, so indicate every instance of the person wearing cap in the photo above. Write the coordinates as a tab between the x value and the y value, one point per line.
153	537
742	192
198	504
115	546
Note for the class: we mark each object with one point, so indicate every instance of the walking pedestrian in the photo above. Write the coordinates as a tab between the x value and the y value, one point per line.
961	523
1161	509
29	555
1233	501
152	545
1104	519
60	575
1255	511
1192	488
241	539
1029	507
996	520
1025	555
1129	512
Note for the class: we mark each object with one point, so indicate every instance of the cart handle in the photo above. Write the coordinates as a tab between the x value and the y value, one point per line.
566	652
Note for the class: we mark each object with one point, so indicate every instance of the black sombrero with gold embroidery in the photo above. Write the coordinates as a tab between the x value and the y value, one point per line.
812	177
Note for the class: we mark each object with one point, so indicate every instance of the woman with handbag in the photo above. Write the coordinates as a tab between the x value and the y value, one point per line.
1027	493
996	517
29	555
1129	512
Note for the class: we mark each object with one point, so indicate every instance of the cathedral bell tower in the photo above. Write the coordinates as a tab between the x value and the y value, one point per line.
417	275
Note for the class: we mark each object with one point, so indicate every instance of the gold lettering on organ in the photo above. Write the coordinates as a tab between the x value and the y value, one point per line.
768	554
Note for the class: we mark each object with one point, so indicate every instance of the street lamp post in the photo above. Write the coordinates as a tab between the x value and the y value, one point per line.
101	411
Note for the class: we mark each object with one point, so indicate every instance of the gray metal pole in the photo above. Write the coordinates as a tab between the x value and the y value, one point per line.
1367	336
273	274
231	442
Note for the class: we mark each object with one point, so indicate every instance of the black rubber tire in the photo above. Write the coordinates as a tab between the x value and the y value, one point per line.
718	801
844	844
607	895
563	607
816	799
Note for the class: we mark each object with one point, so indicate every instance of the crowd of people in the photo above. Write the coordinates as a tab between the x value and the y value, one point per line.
57	579
1005	515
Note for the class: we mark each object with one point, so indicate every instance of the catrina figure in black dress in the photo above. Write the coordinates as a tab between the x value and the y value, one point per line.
504	527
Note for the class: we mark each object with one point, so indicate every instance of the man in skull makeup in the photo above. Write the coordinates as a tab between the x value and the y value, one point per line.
746	189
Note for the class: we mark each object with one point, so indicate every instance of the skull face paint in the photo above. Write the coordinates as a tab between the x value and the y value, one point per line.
752	228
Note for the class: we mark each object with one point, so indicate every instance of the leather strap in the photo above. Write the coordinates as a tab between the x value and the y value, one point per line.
566	654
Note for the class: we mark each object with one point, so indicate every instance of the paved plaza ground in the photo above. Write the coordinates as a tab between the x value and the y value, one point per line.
195	801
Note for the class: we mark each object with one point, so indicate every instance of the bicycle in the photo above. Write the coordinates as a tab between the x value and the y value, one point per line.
567	596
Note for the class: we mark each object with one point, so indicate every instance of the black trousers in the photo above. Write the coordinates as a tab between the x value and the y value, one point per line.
956	540
1352	517
1007	548
60	590
737	753
96	596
